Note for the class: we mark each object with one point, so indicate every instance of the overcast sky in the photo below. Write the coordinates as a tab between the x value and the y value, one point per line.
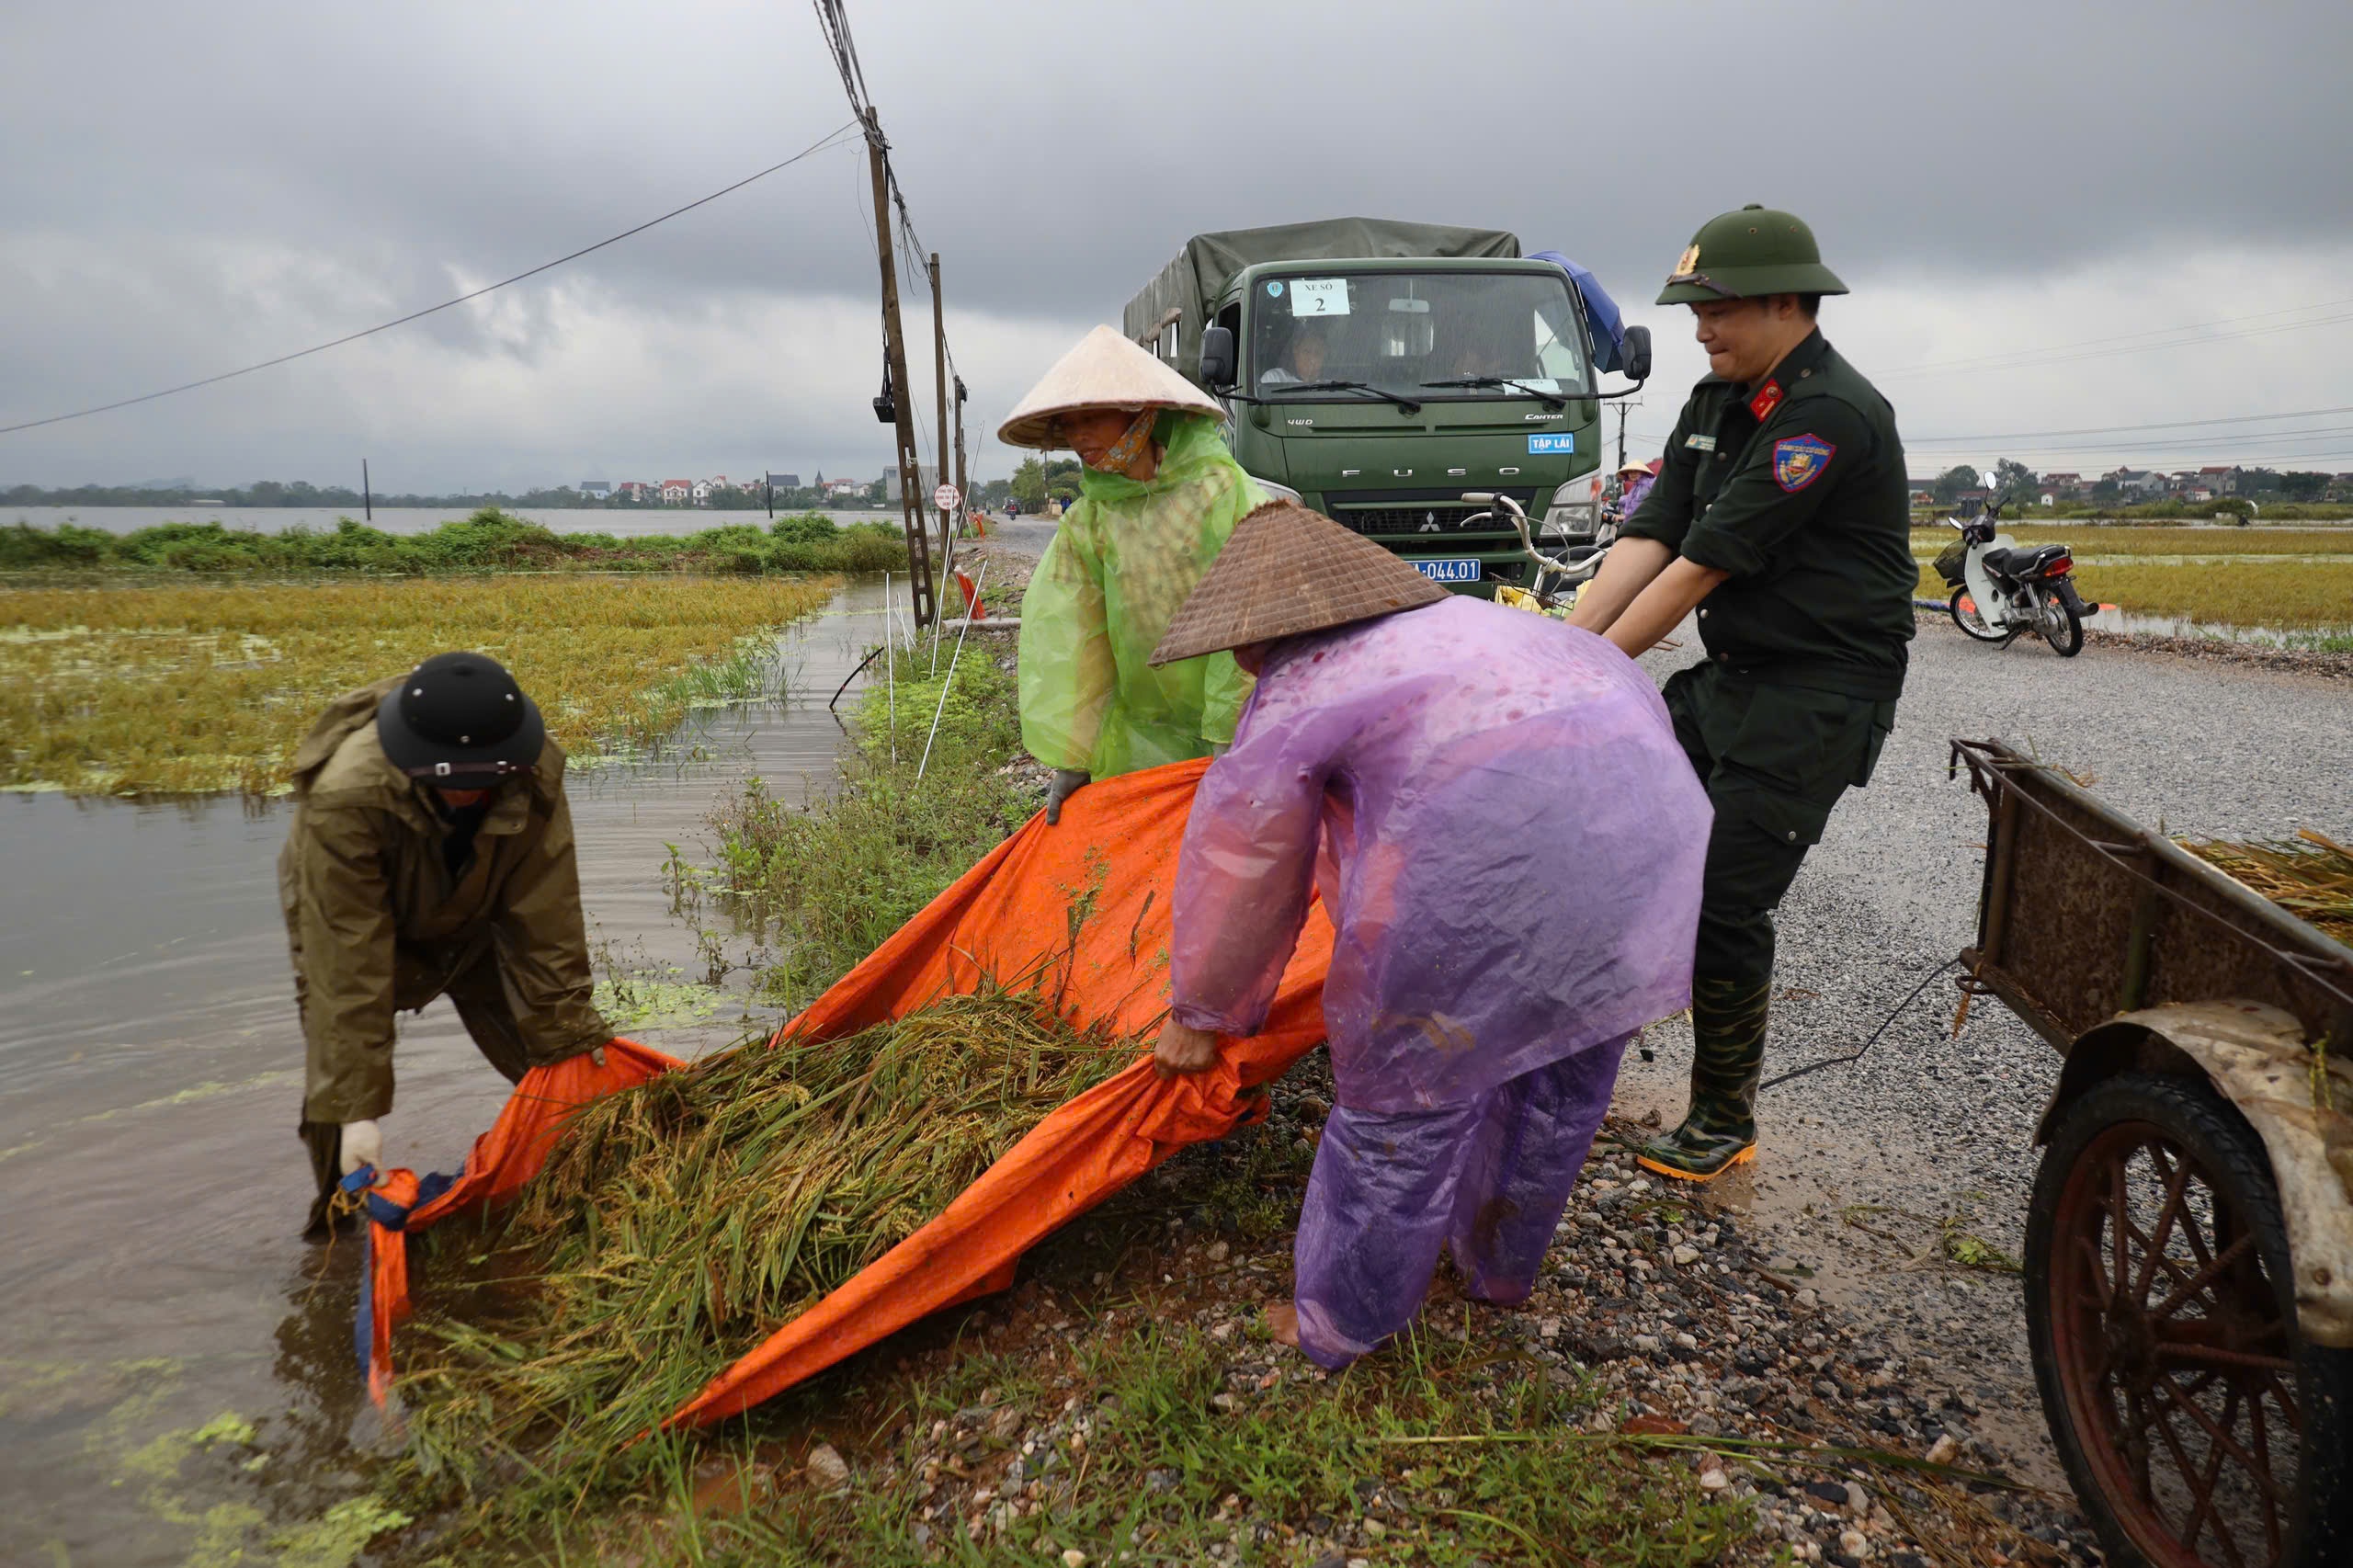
189	188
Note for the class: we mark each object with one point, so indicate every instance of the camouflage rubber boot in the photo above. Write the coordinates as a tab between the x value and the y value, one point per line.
1727	1059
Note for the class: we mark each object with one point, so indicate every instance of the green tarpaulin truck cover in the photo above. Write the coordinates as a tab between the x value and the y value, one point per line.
1190	285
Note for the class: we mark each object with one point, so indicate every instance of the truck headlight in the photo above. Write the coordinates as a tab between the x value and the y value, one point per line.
1575	507
1279	491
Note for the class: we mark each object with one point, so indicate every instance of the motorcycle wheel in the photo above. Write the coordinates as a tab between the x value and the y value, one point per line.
2061	626
1966	617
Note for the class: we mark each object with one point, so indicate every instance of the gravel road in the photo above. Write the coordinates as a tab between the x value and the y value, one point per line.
1927	1129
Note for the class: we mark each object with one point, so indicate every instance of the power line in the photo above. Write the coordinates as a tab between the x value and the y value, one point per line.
2118	430
2182	336
830	139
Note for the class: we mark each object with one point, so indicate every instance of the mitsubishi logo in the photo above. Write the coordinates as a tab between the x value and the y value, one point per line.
1429	522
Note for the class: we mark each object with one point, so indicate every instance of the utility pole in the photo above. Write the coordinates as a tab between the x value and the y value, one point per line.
894	359
939	430
1621	435
767	482
366	492
964	494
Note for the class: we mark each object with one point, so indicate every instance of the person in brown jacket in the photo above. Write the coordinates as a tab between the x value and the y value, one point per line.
431	854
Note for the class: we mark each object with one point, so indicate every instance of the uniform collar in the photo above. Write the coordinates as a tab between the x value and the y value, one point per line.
1796	365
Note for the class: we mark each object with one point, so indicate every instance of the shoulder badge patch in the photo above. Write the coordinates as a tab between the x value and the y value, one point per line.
1799	461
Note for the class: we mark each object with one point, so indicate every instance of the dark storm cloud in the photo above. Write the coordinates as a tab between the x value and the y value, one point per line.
190	187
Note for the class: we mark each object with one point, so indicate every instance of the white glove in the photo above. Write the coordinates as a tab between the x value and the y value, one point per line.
363	1145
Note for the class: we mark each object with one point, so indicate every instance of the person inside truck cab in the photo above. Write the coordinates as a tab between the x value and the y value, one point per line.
1304	356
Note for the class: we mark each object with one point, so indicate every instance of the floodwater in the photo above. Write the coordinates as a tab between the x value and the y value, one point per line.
152	1276
624	521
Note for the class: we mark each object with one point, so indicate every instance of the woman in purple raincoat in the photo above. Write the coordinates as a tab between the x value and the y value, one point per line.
1508	842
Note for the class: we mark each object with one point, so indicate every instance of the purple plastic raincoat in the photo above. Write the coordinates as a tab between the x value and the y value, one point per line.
1509	843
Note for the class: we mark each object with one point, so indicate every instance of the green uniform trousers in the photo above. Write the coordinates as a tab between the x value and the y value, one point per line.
1774	757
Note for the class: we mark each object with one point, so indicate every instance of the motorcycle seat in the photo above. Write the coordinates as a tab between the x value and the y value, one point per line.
2014	562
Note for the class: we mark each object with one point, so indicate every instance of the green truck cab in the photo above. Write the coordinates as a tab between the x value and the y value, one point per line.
1378	370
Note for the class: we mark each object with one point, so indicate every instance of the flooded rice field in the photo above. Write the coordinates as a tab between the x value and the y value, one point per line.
178	1381
623	521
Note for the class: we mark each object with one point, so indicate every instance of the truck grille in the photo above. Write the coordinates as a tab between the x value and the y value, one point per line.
1424	514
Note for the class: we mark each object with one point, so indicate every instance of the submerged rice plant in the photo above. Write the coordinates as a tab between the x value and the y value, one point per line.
678	1224
200	687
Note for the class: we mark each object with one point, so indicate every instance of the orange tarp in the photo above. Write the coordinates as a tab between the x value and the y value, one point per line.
502	1161
1113	860
1078	913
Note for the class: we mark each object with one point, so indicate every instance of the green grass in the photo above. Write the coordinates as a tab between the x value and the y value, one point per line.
2281	596
2108	541
208	686
1305	1458
832	880
489	541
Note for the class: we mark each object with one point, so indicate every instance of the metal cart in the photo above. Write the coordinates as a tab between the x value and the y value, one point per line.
2189	1249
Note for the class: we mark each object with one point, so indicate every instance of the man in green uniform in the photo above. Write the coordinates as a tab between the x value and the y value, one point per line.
1782	518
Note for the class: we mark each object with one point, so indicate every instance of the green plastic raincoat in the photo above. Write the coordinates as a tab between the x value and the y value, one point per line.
1125	557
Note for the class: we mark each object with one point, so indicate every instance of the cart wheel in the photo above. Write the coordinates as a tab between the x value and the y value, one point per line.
2198	1430
1970	618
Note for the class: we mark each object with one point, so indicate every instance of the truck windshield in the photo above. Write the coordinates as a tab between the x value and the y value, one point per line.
1402	332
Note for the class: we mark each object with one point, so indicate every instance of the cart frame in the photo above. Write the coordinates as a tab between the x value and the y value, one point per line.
2128	953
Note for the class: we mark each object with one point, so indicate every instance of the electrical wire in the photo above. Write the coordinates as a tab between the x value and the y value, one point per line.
825	143
2117	429
2192	334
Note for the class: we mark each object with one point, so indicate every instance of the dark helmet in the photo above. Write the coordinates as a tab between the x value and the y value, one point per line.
1739	255
459	720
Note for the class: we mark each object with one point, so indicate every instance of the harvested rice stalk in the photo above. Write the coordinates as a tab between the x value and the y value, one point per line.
678	1224
2311	876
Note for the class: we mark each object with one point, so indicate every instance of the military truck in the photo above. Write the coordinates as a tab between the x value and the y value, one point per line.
1377	370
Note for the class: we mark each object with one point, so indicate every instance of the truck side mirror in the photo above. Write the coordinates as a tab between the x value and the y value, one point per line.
1217	358
1635	359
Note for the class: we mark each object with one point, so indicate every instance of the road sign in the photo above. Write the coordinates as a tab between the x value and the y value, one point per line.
946	497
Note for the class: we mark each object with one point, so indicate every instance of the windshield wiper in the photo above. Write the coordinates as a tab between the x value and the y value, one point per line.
1552	401
1407	403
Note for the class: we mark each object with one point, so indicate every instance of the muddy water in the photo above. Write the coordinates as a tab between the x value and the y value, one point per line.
150	1185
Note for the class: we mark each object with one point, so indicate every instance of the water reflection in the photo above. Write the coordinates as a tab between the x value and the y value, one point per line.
151	1276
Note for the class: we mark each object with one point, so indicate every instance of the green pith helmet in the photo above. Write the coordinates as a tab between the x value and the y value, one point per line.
1739	255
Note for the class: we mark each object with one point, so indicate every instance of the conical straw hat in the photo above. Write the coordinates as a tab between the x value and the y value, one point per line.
1104	371
1285	571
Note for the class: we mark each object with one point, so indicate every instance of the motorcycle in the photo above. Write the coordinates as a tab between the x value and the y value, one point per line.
2001	592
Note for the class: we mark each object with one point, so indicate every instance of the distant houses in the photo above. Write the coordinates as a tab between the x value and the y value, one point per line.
719	490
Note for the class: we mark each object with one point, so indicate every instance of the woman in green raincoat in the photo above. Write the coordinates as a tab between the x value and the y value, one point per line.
1158	496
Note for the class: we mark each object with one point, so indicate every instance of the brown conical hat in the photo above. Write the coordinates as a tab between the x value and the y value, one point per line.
1285	571
1104	371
